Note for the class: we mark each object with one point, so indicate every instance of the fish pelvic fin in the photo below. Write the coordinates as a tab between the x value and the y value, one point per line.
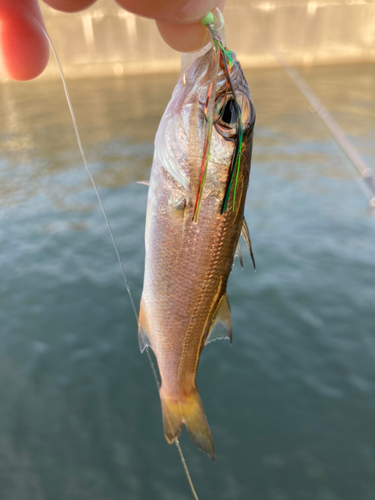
238	253
246	236
187	410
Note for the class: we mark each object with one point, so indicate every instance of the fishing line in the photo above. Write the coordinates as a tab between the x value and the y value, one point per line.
176	442
222	56
367	182
83	155
209	115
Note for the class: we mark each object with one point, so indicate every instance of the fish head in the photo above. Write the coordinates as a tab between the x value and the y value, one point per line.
182	134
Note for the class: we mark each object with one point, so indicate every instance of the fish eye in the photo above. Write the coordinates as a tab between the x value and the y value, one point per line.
226	114
229	113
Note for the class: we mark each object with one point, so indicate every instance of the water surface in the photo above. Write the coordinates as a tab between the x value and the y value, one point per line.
291	405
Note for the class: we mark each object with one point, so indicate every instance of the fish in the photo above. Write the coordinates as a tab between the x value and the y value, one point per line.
188	259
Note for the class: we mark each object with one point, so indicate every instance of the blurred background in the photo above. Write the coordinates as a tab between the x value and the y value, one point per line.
107	40
292	403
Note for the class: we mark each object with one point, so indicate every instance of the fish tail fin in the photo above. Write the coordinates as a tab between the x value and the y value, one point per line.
196	423
188	410
172	416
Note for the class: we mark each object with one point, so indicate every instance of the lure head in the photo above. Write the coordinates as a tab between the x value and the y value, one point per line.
204	105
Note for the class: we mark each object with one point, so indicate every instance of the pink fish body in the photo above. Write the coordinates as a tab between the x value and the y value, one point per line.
188	262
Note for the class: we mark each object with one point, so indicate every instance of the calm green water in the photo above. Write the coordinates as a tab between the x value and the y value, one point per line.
291	405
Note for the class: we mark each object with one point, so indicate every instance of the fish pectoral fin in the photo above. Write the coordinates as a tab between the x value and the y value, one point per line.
238	253
145	183
221	326
246	236
143	328
179	204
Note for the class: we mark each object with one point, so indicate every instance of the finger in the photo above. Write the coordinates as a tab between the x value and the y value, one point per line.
69	5
186	37
177	20
24	48
173	11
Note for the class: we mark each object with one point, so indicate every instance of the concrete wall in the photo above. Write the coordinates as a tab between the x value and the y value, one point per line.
107	40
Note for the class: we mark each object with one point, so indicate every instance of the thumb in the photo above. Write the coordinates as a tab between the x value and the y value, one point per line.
24	49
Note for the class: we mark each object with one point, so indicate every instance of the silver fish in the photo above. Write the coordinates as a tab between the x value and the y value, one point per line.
188	261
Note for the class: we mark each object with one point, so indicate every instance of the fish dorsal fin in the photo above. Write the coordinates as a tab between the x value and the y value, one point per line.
238	253
221	326
246	236
143	328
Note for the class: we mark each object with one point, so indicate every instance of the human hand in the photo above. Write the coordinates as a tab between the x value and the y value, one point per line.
24	49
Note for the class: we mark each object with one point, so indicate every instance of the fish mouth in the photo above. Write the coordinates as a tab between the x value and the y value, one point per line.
204	66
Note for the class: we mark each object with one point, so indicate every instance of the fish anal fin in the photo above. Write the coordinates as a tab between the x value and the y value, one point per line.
196	423
246	236
143	328
221	326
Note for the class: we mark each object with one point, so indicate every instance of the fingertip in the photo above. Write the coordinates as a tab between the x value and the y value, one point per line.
194	10
69	5
172	11
20	60
183	37
24	49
